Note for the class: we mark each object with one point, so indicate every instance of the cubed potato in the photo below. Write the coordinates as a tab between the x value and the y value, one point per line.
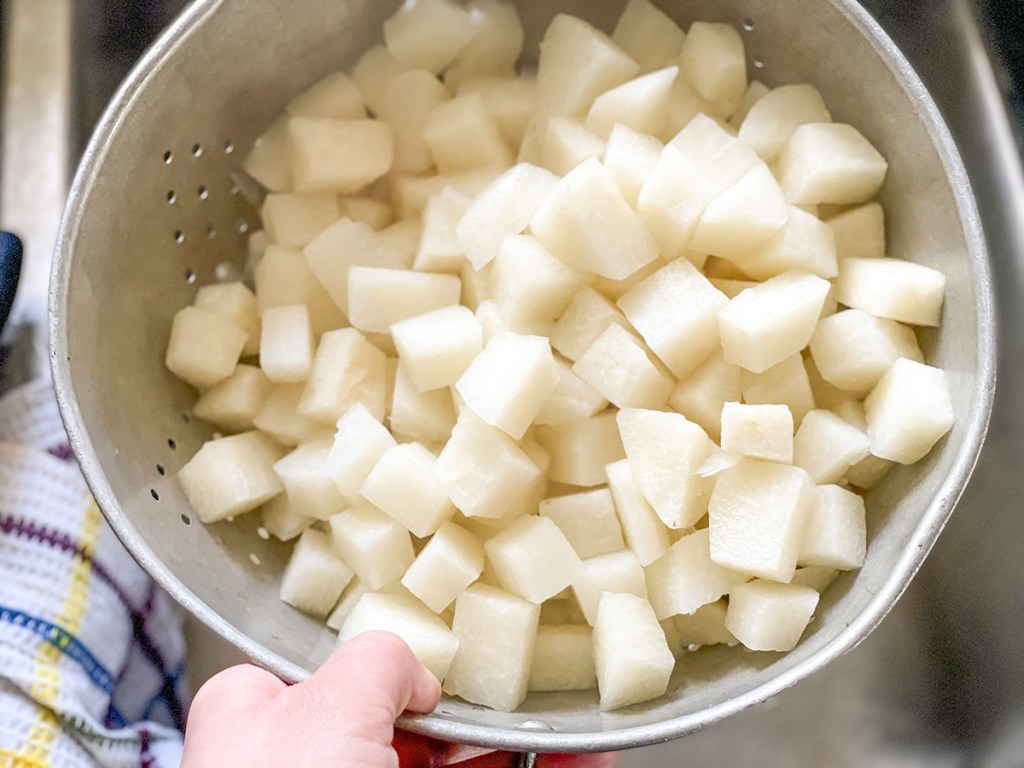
233	403
403	484
772	121
572	398
588	316
785	383
618	572
588	521
648	35
204	348
315	576
347	370
231	476
461	134
529	283
743	217
770	617
510	100
618	366
358	445
428	33
664	451
492	668
805	244
859	232
286	344
294	220
497	40
563	659
758	431
377	547
675	310
769	322
630	158
408	100
567	144
892	288
236	304
380	298
268	161
713	61
757	515
826	446
756	90
280	418
372	73
685	578
425	416
342	156
641	104
533	559
701	395
284	277
307	478
705	626
830	163
815	577
437	347
334	97
836	534
580	449
438	249
908	411
451	561
632	657
280	519
646	535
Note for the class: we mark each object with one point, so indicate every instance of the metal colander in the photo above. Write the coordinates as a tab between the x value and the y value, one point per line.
158	207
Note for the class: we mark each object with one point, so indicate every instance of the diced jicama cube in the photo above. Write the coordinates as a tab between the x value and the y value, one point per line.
587	223
632	657
408	100
529	283
641	104
204	348
705	626
342	156
685	578
892	288
233	403
231	476
563	659
859	232
347	370
294	220
826	446
588	521
758	431
785	383
675	310
372	73
567	144
805	244
429	638
580	449
571	399
335	96
462	134
613	290
428	33
769	322
618	572
451	561
825	395
587	316
284	277
772	120
830	163
908	411
852	349
664	451
713	61
497	40
483	469
815	577
492	668
528	500
770	617
286	344
436	348
403	485
438	249
744	216
307	479
757	515
644	531
379	298
731	288
618	366
648	35
350	597
476	285
281	520
268	160
425	416
280	418
686	104
236	304
630	158
756	90
533	559
868	472
510	100
373	544
315	576
358	445
701	395
851	411
835	535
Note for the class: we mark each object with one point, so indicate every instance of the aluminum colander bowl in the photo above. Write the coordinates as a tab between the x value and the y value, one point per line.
156	209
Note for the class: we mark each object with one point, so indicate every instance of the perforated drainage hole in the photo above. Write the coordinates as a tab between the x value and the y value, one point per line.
211	231
179	236
171	197
748	25
186	519
154	494
160	470
197	150
243	227
168	157
186	417
173	445
758	62
203	192
228	147
190	276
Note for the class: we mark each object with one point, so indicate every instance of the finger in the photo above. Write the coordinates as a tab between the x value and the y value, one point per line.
237	687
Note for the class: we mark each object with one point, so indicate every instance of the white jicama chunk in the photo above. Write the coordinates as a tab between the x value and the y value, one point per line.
204	348
438	249
451	561
372	73
836	534
770	617
379	298
805	244
436	348
563	659
428	33
286	344
358	445
403	484
769	322
294	220
315	576
641	104
510	100
758	431
852	349
502	209
533	559
476	285
308	481
587	316
815	577
580	449
686	104
892	288
644	531
497	40
281	520
705	626
283	277
851	411
528	501
908	411
233	403
268	160
588	521
350	598
567	144
648	35
685	578
236	304
492	668
429	638
425	416
675	310
701	395
571	399
347	370
617	366
772	121
786	383
630	158
461	134
664	451
342	156
376	214
631	654
830	163
280	418
587	224
231	476
618	572
507	384
756	90
859	232
743	217
409	99
757	515
373	544
529	283
868	472
255	247
713	62
826	446
483	469
335	97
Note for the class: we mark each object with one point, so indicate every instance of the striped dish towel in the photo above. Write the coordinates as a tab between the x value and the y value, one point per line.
92	653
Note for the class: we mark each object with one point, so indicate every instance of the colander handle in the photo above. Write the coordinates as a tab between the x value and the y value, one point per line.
10	271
